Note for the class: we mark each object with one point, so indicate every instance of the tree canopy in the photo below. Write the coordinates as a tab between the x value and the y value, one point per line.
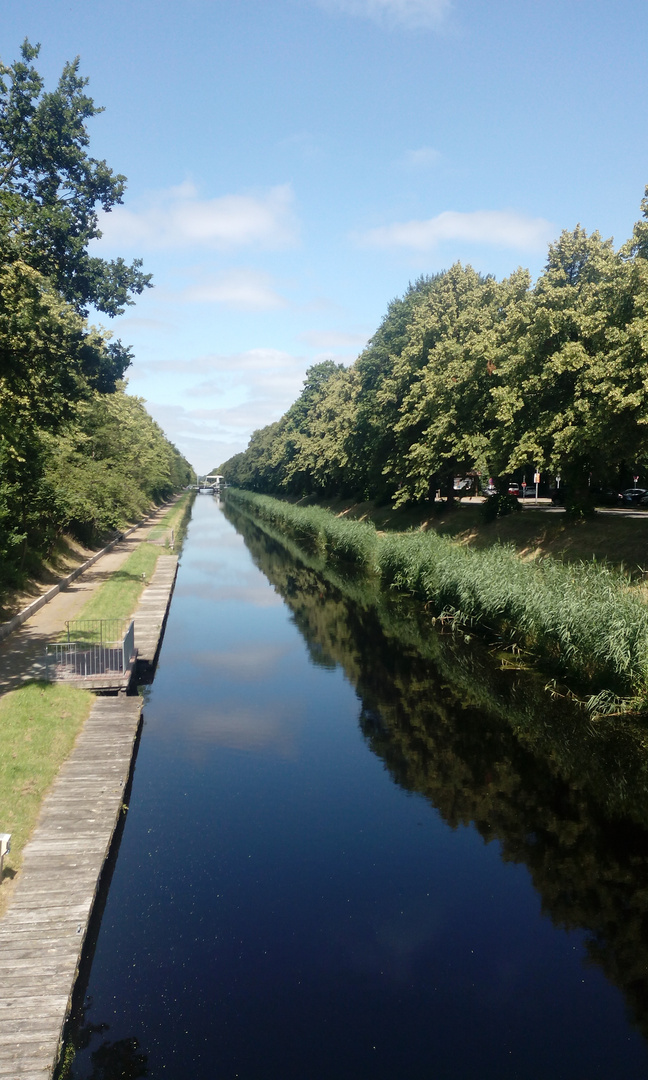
51	189
61	379
468	375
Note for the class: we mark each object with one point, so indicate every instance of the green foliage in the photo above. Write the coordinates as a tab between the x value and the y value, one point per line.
74	452
585	621
467	374
350	543
108	465
50	188
572	391
499	505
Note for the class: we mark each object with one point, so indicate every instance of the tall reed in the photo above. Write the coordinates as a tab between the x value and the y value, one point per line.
351	543
586	619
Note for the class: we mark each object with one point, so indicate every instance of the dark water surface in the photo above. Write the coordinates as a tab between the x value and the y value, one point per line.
331	871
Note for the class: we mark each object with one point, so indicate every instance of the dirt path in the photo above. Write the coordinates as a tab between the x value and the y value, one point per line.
21	653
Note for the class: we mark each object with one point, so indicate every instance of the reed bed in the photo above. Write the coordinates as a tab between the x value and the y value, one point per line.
587	620
587	747
349	543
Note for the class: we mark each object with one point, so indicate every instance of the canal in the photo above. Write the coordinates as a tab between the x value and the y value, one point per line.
333	867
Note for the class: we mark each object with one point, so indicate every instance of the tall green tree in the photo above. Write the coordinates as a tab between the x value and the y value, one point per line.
105	467
443	381
467	373
321	459
51	361
573	390
372	442
51	189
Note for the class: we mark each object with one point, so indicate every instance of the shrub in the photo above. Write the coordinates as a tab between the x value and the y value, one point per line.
499	505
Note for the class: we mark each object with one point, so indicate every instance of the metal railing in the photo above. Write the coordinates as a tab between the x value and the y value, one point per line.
94	654
96	631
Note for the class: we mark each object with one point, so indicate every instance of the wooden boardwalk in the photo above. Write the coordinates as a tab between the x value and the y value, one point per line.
42	933
150	617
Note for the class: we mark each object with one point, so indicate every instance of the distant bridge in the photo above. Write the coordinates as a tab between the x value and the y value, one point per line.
213	482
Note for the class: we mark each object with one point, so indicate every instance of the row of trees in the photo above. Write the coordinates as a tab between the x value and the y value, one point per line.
75	451
467	373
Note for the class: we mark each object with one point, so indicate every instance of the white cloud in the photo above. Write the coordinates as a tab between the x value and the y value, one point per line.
409	13
334	339
236	395
178	218
245	289
304	144
137	322
202	437
502	228
252	361
270	380
422	158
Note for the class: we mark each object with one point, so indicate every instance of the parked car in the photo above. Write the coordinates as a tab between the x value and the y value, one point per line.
633	495
607	497
514	489
463	487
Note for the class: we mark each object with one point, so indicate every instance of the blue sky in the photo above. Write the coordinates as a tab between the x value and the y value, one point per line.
293	164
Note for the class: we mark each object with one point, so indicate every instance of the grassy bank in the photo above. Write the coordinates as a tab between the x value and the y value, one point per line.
40	721
118	597
584	621
68	555
609	537
355	623
173	525
39	724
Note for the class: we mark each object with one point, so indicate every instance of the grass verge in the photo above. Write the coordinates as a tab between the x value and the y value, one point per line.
608	537
117	598
174	520
39	725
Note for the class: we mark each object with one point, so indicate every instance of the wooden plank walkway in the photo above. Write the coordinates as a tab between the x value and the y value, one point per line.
42	933
150	617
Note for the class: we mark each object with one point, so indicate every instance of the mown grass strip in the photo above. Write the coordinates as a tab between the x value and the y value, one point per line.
587	619
40	722
174	519
117	598
38	727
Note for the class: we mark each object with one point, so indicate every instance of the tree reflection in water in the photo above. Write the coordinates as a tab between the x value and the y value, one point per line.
487	745
118	1060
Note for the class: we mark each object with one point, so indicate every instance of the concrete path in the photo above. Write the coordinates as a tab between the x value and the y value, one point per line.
21	653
